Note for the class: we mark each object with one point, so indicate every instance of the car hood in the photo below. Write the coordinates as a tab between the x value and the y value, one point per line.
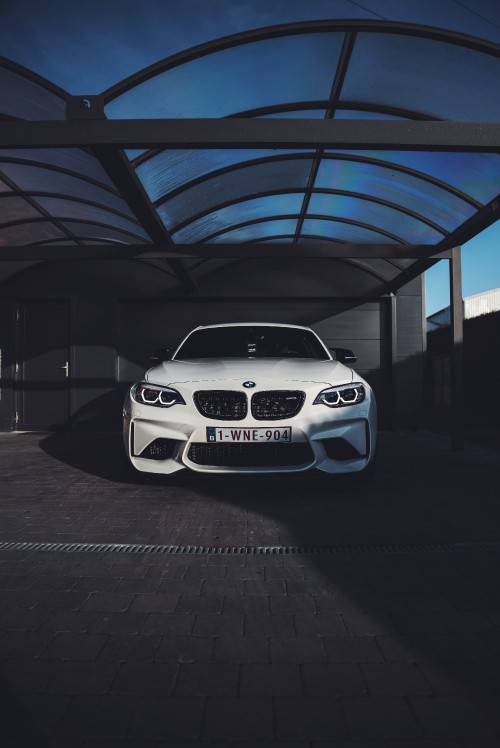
260	371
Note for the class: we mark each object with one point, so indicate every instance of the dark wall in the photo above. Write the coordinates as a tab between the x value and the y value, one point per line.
481	351
410	356
122	310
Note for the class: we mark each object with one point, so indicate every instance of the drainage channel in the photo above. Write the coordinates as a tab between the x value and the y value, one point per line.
250	550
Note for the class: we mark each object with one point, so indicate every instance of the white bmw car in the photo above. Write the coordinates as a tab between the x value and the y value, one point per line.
251	398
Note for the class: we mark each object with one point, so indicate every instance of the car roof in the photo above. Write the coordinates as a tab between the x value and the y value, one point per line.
252	324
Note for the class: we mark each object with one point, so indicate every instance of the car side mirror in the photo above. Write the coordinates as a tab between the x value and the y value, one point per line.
344	355
162	354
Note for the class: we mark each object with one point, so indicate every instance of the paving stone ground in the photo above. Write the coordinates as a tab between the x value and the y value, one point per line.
368	648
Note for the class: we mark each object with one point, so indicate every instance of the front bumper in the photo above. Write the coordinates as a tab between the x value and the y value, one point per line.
332	440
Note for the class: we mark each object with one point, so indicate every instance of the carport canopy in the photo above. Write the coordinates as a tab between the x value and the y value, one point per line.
370	145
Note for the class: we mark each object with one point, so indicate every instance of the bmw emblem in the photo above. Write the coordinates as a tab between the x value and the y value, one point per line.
248	385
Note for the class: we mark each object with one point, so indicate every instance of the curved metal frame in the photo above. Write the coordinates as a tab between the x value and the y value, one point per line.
318	216
30	75
70	198
298	106
349	28
83	239
294	29
342	260
28	195
61	170
44	213
55	219
300	155
341	106
390	261
293	191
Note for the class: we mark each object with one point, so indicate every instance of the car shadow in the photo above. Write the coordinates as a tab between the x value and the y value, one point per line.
102	455
421	610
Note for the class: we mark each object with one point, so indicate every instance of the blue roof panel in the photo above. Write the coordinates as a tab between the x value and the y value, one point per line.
270	176
428	76
281	70
232	215
170	170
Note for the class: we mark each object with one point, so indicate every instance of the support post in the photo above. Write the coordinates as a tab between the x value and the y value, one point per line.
456	352
393	362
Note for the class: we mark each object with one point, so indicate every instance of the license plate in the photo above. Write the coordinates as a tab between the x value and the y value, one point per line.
215	434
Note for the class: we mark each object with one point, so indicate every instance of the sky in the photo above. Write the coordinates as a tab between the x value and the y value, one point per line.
87	47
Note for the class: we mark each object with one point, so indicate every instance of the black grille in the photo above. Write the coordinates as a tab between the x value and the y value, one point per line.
160	449
250	455
224	405
276	404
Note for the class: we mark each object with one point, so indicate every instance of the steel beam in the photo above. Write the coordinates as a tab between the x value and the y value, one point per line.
120	171
253	133
393	362
227	251
456	352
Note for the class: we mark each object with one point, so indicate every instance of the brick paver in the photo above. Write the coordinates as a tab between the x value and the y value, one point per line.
372	650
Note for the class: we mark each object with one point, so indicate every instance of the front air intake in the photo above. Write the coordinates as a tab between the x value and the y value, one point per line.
251	455
340	449
160	449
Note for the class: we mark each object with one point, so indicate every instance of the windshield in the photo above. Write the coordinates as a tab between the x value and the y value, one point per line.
252	342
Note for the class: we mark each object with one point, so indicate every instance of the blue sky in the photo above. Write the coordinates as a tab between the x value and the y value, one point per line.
87	47
480	270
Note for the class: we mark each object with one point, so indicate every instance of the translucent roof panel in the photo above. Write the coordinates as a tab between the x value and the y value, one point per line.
232	215
58	243
33	179
61	208
297	114
381	217
291	72
280	70
474	174
27	233
89	230
428	76
172	169
262	178
276	239
22	98
15	209
135	153
343	232
258	231
364	114
426	199
70	159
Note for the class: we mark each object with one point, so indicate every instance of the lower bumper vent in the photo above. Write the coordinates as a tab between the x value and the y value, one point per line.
250	455
160	449
340	449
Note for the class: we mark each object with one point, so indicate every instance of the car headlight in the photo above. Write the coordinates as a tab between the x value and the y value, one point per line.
339	397
153	394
